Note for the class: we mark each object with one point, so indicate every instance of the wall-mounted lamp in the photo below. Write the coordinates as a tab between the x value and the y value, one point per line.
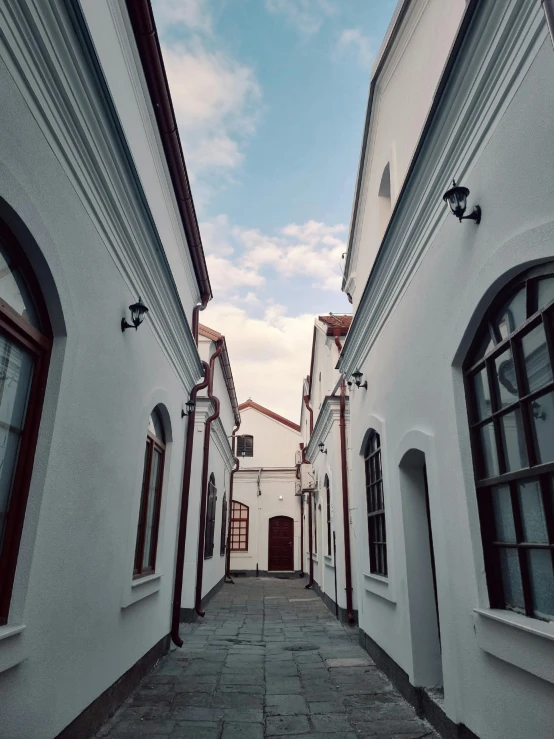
321	449
357	375
138	311
457	200
190	406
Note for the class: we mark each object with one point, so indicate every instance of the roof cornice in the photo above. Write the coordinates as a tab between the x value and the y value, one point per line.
275	416
452	138
146	37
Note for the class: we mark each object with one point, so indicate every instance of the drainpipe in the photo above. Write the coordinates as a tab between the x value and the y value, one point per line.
311	581
204	487
258	516
196	318
228	577
307	404
301	518
180	558
345	505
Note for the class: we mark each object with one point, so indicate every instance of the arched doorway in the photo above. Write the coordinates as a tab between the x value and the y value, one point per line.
281	544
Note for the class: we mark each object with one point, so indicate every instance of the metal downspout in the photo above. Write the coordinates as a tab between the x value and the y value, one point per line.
204	485
307	404
345	504
301	518
310	536
196	318
183	516
228	577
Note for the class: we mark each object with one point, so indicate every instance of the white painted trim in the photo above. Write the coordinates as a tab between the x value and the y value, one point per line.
379	585
141	589
521	641
13	648
479	92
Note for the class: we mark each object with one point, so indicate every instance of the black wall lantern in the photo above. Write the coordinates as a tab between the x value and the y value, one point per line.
357	375
138	311
321	449
457	200
190	406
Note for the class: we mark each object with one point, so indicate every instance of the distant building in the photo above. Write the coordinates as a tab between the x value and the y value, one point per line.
265	514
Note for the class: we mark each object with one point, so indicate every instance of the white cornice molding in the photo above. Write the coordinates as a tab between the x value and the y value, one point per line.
328	415
70	102
497	53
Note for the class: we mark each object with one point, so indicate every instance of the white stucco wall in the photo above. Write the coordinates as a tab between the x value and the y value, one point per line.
403	94
83	620
497	675
272	496
275	444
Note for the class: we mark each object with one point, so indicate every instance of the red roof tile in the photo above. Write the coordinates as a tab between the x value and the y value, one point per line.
336	322
267	412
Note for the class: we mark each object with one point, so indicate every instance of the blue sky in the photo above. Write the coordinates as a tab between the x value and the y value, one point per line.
270	97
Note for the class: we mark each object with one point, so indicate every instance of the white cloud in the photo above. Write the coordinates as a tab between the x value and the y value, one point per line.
239	257
224	275
352	39
216	101
307	16
193	14
269	355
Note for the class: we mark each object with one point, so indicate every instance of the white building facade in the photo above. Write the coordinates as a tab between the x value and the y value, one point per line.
265	514
95	211
450	443
324	472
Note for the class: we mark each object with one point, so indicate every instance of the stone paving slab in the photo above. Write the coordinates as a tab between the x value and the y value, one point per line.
267	661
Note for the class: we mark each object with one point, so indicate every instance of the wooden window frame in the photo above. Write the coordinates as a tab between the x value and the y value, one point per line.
211	509
375	499
244	445
153	445
524	405
222	541
328	511
235	526
39	344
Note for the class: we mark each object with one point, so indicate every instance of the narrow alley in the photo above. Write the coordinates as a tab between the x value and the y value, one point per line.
268	660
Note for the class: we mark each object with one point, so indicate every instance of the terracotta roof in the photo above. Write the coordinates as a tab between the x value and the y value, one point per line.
271	414
209	333
333	322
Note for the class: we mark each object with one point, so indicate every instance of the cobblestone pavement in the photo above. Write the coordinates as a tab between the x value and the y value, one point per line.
268	660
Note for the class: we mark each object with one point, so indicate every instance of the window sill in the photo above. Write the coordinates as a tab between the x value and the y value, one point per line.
521	641
379	585
329	560
12	646
142	588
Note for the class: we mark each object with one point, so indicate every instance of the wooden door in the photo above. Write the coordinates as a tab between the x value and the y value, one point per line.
281	544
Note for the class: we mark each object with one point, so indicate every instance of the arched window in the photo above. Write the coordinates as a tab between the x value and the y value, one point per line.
151	498
245	446
510	390
210	518
223	525
239	527
375	506
328	510
25	342
385	200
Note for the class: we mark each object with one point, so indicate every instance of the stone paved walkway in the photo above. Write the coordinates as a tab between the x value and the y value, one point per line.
268	660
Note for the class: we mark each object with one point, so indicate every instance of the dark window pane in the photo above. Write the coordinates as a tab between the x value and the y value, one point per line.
148	556
511	578
543	427
14	291
485	345
506	378
542	582
545	291
488	446
537	361
155	426
482	394
503	514
513	439
532	512
512	315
